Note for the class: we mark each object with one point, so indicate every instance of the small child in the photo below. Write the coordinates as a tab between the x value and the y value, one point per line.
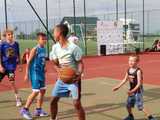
135	94
9	58
25	56
35	71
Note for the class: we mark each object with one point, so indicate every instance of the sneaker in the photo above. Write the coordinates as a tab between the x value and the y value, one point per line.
18	102
40	112
151	118
25	114
129	118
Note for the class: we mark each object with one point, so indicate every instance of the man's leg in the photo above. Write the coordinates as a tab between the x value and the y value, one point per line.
54	107
79	109
75	90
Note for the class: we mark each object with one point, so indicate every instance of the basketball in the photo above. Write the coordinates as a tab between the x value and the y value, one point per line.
67	74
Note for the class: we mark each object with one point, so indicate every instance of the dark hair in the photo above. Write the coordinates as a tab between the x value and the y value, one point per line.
41	34
63	29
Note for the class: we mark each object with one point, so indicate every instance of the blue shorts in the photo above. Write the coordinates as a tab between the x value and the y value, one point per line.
136	99
37	81
62	89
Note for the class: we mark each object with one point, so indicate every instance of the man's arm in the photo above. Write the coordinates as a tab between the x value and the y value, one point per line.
80	67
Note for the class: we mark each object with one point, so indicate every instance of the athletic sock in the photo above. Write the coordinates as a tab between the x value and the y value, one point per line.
17	96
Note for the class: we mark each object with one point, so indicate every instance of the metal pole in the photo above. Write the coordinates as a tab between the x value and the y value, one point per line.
40	19
143	24
117	10
85	27
125	18
59	9
74	15
148	21
6	16
47	28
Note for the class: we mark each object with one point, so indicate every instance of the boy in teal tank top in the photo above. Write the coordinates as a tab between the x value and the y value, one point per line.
35	72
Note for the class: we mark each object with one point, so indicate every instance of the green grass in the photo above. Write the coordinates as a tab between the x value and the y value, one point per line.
30	44
91	45
149	41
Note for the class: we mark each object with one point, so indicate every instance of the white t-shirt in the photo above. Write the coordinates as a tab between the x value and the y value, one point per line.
66	56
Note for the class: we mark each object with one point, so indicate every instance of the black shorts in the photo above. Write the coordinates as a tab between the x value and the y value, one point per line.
9	73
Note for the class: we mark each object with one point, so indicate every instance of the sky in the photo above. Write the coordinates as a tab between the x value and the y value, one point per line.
19	10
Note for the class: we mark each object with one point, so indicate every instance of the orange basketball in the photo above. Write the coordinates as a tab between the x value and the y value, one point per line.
67	74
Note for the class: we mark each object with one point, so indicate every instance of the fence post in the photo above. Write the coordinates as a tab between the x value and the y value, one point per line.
6	15
47	29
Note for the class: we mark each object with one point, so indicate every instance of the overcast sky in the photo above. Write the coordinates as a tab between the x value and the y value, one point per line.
19	10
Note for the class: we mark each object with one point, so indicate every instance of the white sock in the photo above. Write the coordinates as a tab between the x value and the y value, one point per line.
17	96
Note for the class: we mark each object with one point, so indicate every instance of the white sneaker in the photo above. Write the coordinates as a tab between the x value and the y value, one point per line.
26	114
19	102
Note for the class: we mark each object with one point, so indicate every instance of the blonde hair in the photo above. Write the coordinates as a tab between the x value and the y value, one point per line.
7	31
136	57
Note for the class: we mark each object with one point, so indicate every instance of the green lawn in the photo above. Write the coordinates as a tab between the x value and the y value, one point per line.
30	44
91	45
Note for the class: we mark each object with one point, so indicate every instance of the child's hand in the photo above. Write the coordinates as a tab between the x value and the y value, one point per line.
130	93
2	70
115	88
58	71
20	68
77	78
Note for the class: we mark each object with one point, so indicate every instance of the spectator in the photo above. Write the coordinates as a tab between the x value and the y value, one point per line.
73	38
25	56
158	46
154	47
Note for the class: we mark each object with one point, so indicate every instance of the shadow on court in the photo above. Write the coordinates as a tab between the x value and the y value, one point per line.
100	103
